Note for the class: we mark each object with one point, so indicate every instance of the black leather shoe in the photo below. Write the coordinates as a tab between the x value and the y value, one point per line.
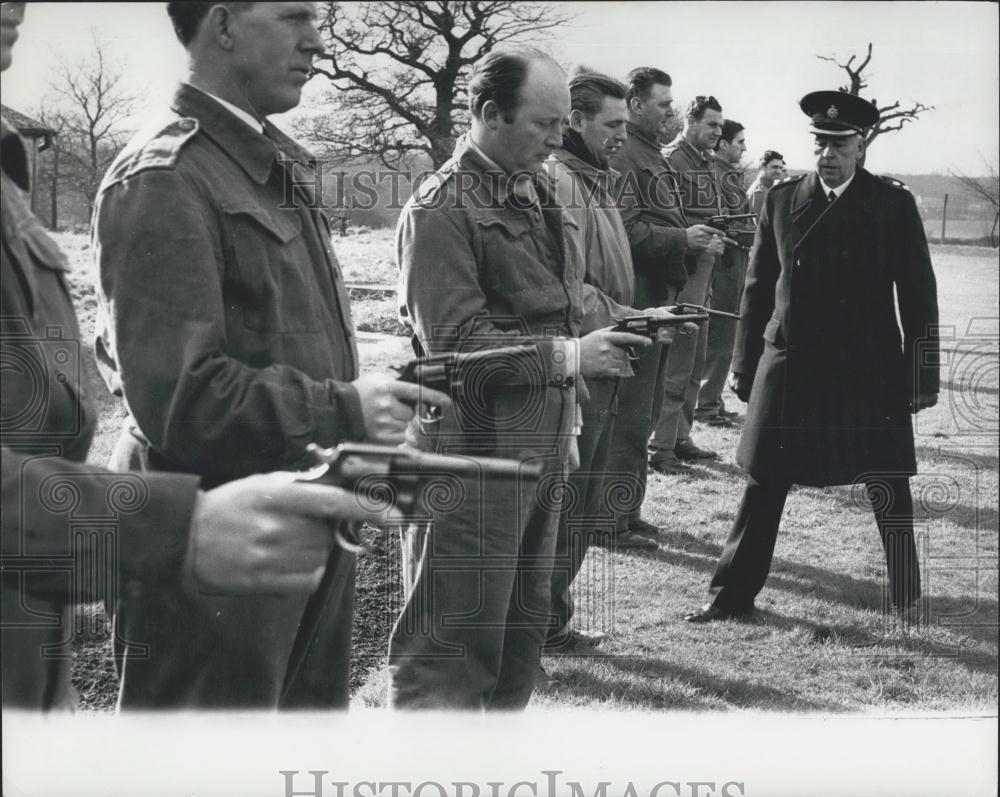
709	613
670	466
689	451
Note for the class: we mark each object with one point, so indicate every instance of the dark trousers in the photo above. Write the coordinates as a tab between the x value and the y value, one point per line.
727	288
639	400
585	513
746	559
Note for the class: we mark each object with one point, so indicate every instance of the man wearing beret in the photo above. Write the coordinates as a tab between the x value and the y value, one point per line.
831	380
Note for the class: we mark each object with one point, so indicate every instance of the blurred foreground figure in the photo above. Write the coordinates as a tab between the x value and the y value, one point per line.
75	533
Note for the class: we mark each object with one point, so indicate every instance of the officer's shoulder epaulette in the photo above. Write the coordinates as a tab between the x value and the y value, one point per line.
894	182
790	180
158	148
437	182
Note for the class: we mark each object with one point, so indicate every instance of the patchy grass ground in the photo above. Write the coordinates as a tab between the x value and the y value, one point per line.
820	641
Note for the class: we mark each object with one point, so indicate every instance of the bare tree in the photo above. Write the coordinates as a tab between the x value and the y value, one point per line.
988	189
893	116
399	71
92	105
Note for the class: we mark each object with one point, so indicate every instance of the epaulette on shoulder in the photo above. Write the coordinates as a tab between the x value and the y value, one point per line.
432	185
894	182
159	149
794	178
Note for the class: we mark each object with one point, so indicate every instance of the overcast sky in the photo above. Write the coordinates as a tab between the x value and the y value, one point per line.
758	58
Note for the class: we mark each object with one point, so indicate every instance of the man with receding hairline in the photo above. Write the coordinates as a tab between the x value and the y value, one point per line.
485	261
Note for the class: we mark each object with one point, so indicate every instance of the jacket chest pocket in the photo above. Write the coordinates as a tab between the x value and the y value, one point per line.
518	255
270	276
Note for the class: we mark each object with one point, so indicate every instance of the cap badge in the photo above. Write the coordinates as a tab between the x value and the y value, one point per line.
832	112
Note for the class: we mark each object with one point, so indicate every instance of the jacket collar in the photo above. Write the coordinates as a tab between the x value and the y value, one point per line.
586	170
637	133
502	189
253	151
809	207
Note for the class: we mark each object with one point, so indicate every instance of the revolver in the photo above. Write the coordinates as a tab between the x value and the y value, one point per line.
416	482
727	226
650	325
450	373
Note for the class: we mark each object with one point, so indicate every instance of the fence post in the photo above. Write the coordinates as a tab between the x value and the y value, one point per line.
944	217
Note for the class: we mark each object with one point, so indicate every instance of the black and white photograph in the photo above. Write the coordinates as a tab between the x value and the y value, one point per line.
490	398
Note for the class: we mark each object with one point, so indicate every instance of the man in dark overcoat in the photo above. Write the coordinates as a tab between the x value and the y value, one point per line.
831	380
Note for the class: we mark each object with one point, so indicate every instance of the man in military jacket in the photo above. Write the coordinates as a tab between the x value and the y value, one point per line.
485	261
74	532
225	326
831	380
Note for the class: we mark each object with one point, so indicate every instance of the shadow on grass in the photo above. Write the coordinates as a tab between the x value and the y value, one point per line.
972	615
953	451
893	639
654	692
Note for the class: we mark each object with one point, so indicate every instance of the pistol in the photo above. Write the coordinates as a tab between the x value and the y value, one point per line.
650	326
415	482
708	311
727	226
450	373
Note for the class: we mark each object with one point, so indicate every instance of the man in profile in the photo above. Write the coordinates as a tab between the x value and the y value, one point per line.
660	237
486	261
225	326
727	281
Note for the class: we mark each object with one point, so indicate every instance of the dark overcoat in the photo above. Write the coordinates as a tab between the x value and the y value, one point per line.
833	376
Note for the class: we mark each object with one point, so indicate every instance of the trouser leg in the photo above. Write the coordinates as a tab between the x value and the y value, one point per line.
681	364
746	559
892	504
639	401
727	286
585	514
686	418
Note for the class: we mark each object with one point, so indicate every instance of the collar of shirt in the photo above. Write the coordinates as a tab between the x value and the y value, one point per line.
239	113
523	188
253	151
839	190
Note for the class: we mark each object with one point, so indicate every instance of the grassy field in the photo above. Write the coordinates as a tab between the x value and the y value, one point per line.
820	641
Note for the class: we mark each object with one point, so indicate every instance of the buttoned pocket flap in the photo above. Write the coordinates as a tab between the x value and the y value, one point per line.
282	224
513	225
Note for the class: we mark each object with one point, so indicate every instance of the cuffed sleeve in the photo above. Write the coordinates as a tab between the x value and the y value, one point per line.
62	517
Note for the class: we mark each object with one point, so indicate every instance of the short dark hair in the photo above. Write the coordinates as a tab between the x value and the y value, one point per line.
768	156
642	79
730	129
499	76
186	17
587	91
697	107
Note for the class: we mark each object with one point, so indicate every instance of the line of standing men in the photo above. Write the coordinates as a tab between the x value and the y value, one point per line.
225	328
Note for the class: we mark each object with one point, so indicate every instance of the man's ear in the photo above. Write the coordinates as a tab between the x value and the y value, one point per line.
576	120
219	23
861	147
635	105
490	113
